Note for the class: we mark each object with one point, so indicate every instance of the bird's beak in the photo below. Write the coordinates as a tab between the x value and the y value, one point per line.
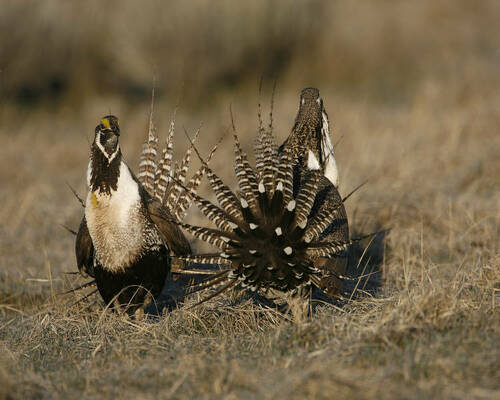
117	134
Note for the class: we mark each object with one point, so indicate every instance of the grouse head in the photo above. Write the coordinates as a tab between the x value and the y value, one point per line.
106	137
105	155
310	137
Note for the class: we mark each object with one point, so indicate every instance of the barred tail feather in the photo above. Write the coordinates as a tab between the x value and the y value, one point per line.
245	174
285	176
213	258
83	286
269	167
327	249
330	248
305	198
181	177
225	196
162	179
321	221
211	236
184	201
209	282
147	163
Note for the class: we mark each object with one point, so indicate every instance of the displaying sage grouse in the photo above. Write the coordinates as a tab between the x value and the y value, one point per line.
126	236
310	144
287	224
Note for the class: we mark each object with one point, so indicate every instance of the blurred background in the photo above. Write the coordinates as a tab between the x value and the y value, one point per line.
69	53
412	90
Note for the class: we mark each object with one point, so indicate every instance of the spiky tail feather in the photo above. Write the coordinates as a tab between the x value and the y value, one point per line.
184	201
147	163
158	174
179	175
162	178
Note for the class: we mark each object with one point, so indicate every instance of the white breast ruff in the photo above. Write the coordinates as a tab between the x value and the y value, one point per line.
115	223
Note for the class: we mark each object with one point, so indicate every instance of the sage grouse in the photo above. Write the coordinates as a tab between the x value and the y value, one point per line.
288	218
126	236
310	144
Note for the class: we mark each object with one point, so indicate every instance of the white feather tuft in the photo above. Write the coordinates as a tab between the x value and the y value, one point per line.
312	161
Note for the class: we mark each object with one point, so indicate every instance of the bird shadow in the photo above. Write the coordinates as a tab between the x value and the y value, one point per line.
364	273
176	289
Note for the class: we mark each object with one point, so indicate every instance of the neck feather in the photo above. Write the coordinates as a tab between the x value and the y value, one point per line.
104	172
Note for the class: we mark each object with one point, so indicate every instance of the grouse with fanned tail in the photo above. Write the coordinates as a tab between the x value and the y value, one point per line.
126	237
310	144
287	219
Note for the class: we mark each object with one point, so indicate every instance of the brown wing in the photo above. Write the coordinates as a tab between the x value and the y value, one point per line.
84	250
173	235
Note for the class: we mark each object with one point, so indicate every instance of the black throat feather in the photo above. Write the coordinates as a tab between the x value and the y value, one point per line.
104	175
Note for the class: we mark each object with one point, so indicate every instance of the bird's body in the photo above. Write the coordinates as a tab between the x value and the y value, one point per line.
126	236
310	144
286	227
118	223
130	251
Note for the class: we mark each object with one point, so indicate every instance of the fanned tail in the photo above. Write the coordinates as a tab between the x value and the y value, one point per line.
268	237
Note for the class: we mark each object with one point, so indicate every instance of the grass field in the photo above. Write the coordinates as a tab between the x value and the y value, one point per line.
426	326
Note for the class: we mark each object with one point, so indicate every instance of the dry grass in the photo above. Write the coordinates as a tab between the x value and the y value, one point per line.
428	327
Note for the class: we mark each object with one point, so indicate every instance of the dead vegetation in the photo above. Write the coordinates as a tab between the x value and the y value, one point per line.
427	326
